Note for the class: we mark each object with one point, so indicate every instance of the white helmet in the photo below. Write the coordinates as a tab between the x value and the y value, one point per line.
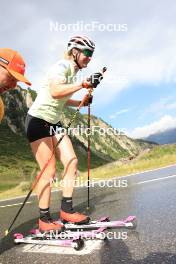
81	43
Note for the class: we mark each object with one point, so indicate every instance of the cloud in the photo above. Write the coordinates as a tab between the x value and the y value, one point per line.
156	109
164	123
113	116
167	103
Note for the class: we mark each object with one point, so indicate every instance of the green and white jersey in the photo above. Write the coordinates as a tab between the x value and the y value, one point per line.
45	106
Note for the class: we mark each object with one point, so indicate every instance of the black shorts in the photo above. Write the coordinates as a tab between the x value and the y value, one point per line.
37	128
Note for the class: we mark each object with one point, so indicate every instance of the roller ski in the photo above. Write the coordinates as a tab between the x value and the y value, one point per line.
129	223
66	238
76	243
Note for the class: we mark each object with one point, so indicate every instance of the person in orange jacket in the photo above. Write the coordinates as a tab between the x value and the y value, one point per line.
12	69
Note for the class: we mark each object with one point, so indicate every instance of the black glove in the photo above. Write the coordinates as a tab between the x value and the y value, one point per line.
95	79
88	100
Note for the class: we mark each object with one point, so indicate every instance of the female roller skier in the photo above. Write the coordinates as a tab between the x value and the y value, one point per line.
45	112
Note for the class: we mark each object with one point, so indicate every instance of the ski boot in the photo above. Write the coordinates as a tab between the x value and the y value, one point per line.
75	218
50	225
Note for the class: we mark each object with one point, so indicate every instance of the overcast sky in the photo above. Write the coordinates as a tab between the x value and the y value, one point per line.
138	92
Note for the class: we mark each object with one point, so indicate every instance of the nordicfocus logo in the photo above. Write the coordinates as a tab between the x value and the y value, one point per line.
81	130
94	182
110	235
4	61
89	27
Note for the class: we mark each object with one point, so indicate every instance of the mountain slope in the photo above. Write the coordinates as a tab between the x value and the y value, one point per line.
166	137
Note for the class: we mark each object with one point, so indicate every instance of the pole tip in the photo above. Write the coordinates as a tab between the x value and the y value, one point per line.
104	69
6	232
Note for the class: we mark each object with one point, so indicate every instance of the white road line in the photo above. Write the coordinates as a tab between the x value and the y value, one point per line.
158	179
145	171
9	205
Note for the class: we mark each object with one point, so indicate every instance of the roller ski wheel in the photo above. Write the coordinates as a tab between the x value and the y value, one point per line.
134	224
78	244
17	237
104	219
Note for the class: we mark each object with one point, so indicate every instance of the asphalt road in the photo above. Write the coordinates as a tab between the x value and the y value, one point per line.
151	196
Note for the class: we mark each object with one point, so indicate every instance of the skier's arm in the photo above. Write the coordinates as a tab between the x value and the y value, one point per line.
59	90
87	100
72	102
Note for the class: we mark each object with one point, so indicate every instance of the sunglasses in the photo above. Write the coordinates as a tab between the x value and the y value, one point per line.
87	52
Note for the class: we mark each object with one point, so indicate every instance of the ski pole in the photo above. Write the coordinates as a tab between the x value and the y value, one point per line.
88	157
88	146
45	166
